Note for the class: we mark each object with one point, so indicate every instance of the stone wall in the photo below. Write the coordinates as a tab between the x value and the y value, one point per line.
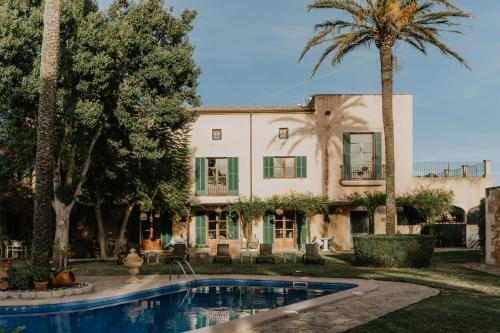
493	226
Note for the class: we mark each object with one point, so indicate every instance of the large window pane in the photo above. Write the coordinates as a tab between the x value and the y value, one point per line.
284	167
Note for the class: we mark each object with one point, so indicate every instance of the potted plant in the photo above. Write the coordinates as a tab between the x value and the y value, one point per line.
40	277
6	264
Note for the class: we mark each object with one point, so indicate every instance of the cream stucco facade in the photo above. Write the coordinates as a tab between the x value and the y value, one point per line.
317	133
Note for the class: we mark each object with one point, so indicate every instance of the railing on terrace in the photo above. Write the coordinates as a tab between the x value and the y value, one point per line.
216	189
450	169
362	171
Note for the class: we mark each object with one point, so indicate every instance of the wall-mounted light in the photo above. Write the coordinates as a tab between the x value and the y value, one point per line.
279	211
338	211
218	210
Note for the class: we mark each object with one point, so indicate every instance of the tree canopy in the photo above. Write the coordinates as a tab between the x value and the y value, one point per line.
126	79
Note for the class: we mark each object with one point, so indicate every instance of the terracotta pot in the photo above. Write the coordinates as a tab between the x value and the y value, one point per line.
40	285
4	285
6	264
64	279
4	274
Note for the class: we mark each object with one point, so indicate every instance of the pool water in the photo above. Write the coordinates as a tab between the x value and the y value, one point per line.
176	311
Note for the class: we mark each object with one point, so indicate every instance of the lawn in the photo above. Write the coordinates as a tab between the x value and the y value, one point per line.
469	300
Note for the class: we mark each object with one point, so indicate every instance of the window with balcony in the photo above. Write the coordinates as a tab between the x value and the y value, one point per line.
216	176
362	157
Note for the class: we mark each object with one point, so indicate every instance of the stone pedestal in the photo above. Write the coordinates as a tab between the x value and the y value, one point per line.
492	209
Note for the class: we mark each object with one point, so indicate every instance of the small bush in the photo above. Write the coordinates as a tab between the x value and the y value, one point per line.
19	278
394	250
39	273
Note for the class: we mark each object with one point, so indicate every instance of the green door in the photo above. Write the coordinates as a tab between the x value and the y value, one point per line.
301	232
268	228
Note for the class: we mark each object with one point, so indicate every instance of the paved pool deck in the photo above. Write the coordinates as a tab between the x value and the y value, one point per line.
332	313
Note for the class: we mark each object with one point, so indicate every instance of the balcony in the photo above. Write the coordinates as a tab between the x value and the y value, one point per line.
451	169
362	174
215	190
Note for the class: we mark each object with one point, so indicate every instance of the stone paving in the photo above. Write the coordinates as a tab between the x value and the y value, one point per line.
483	268
347	313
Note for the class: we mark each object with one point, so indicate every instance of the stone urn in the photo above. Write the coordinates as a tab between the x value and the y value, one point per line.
133	262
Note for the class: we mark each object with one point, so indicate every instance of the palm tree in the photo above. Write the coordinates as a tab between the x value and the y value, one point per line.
382	23
42	221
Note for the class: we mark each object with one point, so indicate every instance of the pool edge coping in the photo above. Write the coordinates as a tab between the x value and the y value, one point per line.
243	325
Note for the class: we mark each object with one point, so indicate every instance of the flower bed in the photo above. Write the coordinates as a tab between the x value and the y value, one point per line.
77	289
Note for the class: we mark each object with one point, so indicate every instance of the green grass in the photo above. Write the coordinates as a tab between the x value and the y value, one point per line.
450	311
469	300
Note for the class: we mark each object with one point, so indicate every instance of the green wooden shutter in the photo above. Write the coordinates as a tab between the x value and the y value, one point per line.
268	228
301	232
200	227
378	155
166	229
268	167
233	188
301	166
234	227
347	156
199	172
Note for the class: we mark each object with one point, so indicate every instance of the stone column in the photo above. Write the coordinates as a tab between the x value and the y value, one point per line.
487	168
493	226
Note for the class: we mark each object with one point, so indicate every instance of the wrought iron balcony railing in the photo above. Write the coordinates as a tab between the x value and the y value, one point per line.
362	171
450	169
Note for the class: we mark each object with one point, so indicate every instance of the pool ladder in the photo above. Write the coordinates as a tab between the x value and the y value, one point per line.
181	266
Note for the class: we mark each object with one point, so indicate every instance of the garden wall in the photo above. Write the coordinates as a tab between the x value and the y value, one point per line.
493	226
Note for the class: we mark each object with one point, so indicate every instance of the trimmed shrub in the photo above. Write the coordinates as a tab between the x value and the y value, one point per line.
394	250
19	279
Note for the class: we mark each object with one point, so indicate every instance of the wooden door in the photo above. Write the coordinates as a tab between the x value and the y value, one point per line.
284	231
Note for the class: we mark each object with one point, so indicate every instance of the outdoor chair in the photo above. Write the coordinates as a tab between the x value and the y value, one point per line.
312	255
265	253
222	254
179	253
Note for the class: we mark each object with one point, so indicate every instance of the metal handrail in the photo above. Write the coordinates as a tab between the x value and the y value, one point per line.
179	264
191	269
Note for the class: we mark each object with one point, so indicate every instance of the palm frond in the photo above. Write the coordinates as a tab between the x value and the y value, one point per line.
350	6
343	44
419	23
430	36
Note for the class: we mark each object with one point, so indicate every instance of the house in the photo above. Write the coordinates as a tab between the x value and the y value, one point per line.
332	146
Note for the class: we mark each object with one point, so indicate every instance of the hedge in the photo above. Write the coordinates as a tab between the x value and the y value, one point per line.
394	250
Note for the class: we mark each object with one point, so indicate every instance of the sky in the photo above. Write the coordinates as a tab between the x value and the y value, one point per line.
248	52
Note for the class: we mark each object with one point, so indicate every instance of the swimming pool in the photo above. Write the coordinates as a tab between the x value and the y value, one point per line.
175	308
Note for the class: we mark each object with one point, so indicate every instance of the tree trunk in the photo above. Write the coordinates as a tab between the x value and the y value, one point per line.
101	233
123	227
42	219
326	167
387	115
63	213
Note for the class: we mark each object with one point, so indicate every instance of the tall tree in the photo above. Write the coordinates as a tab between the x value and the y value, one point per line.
126	77
42	221
382	23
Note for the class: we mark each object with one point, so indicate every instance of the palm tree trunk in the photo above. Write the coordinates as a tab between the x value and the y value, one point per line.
42	220
387	115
